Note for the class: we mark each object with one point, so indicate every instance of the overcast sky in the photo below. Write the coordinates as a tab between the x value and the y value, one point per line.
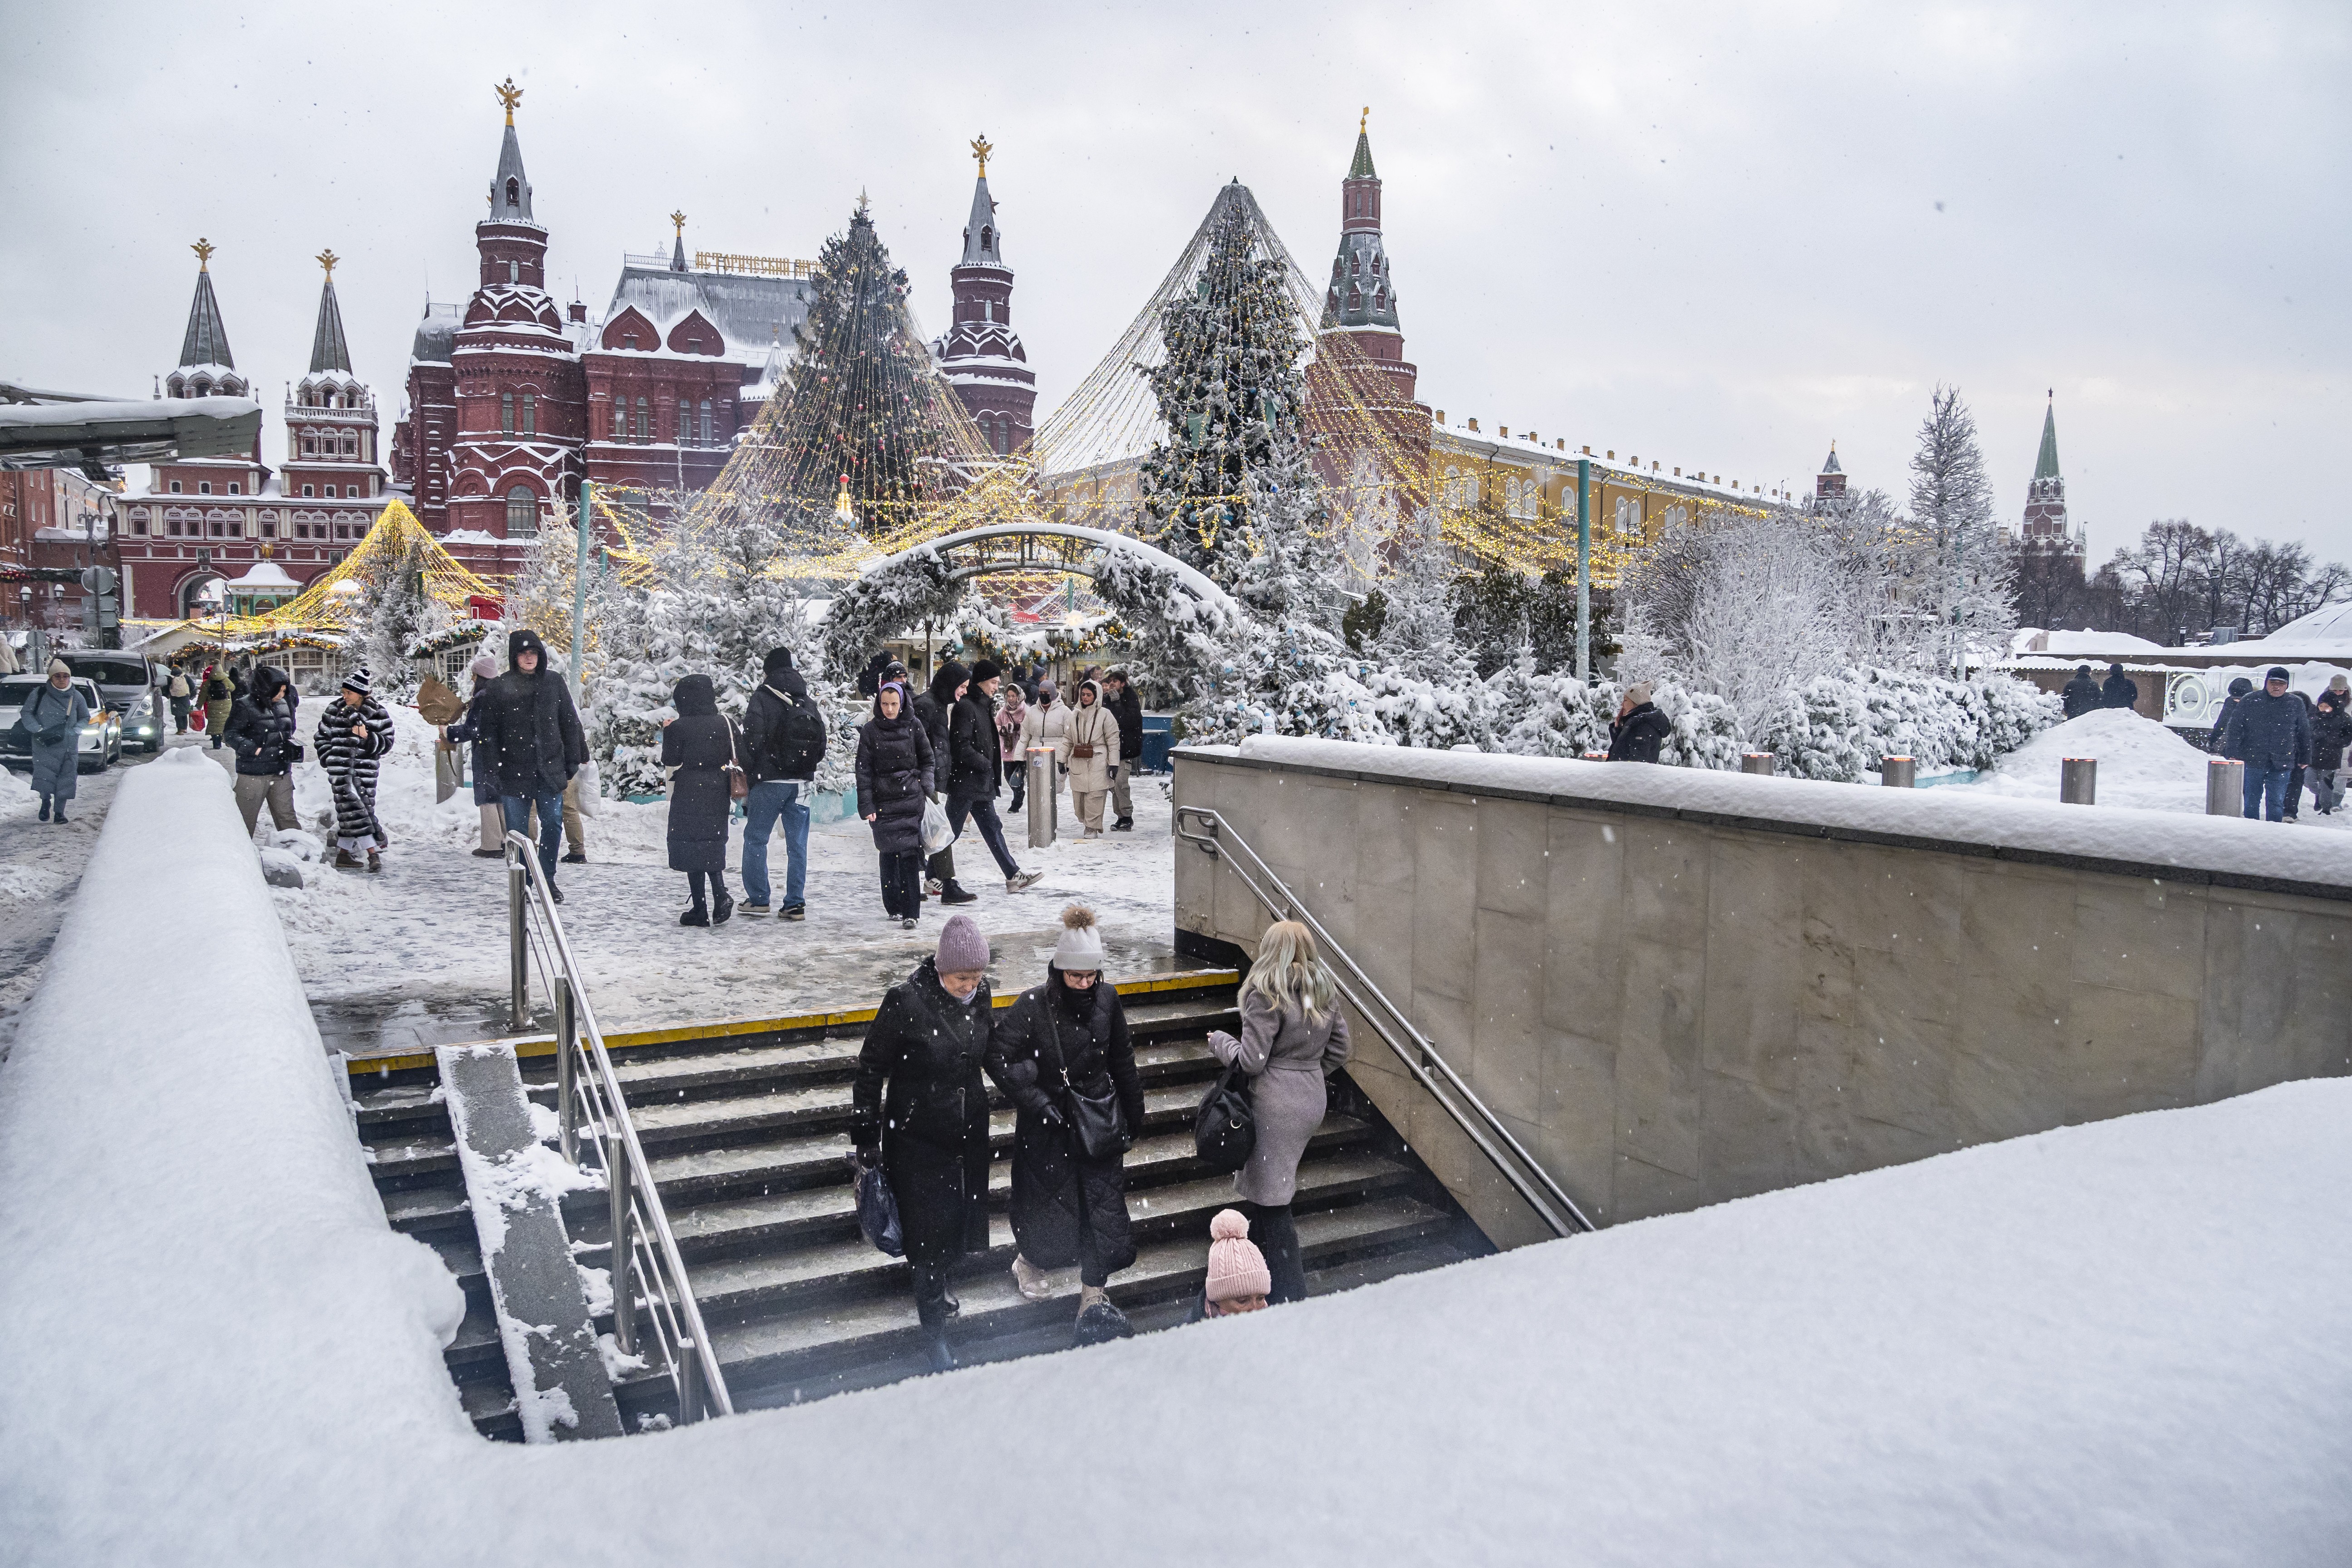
1718	236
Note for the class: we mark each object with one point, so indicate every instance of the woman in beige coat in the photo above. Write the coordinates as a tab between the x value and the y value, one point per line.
1047	723
1093	748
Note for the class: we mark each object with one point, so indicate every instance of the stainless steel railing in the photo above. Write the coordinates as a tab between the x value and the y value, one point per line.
1429	1068
648	1274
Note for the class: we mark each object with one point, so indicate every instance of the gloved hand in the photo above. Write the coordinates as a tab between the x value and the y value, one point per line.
1054	1117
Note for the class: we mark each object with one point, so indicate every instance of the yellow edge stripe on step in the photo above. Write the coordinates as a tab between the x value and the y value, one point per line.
544	1045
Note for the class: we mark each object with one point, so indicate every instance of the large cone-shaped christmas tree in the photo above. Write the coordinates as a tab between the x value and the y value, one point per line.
1230	393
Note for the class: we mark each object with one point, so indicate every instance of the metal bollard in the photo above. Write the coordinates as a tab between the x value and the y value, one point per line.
567	1069
625	1296
2078	780
2225	787
689	1382
518	956
1043	808
1898	772
1755	762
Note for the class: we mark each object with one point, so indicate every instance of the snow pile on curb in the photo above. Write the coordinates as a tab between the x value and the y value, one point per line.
2141	763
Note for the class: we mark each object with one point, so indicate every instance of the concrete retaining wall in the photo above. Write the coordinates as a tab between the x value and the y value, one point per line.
1681	987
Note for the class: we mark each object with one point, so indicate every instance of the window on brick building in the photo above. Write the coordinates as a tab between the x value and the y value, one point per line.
506	413
309	489
708	435
269	531
234	488
514	196
514	268
523	513
685	422
644	419
530	414
203	486
310	444
351	442
175	487
138	522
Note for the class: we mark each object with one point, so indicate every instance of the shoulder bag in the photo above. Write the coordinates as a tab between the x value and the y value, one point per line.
1096	1124
1224	1129
738	786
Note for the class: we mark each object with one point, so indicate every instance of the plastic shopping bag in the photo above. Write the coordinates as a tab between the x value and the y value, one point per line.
938	832
587	789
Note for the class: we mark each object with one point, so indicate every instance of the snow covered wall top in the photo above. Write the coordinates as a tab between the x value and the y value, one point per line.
2122	839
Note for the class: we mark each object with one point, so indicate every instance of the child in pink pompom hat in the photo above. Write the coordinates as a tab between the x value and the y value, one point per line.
1239	1280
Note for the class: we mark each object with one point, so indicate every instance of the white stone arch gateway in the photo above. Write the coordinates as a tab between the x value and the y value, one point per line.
1174	611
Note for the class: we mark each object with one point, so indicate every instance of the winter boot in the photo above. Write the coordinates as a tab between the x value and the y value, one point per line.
59	819
44	808
375	861
346	861
721	906
936	1351
700	915
1124	825
1031	1280
576	857
1098	1321
958	894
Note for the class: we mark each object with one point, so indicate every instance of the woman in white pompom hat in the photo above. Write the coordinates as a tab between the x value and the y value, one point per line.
1062	1056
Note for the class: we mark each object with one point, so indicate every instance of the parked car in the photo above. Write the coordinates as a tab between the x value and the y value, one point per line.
101	738
126	682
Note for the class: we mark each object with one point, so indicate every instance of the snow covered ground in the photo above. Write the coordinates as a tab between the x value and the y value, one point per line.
2126	1342
2142	763
418	953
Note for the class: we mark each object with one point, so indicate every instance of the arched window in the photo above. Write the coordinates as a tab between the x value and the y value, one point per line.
514	271
1355	261
506	413
310	444
1379	298
1355	299
522	512
352	438
644	419
530	414
987	238
685	422
709	437
514	193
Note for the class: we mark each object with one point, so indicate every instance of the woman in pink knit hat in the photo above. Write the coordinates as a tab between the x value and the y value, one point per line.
1238	1279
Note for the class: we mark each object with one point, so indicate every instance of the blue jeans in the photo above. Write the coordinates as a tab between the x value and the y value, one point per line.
769	799
551	824
2266	791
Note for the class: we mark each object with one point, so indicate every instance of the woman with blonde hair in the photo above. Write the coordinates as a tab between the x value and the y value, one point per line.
1294	1037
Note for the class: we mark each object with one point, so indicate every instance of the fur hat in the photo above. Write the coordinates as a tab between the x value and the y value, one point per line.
1236	1267
1081	946
961	946
358	680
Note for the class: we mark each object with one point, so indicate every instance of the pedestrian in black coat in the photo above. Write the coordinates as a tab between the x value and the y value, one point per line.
2120	689
1640	729
894	781
1069	1034
933	708
975	769
2080	694
261	728
533	735
2331	733
2270	732
920	1107
700	744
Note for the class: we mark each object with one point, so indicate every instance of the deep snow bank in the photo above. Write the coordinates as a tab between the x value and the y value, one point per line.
2227	846
2141	763
2124	1342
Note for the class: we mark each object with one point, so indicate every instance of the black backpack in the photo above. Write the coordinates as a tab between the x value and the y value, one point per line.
798	743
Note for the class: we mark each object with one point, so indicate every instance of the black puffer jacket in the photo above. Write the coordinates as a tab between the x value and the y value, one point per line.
894	779
2266	731
768	721
934	709
2080	694
919	1096
2120	691
1127	708
2331	732
974	770
699	742
1637	736
533	735
261	729
1051	1027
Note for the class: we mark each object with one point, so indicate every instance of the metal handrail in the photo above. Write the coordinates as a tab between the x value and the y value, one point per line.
1423	1055
644	1254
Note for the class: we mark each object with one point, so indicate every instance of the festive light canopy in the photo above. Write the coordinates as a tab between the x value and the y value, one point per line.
327	602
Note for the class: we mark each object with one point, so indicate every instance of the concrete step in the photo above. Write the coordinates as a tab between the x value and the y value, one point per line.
776	1360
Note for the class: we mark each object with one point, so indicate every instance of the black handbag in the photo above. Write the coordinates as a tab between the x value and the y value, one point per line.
1224	1129
877	1208
1097	1125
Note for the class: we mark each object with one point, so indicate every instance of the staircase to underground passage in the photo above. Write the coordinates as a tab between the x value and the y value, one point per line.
745	1136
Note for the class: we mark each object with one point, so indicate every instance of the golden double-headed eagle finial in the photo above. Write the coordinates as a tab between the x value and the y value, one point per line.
980	149
509	95
677	221
327	259
204	248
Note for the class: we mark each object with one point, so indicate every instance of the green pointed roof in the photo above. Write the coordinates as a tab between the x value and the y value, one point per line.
329	348
2045	467
1361	169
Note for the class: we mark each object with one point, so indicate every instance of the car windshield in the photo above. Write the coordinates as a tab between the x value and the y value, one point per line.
17	688
108	671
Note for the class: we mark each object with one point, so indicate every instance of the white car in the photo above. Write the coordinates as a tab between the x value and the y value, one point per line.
101	738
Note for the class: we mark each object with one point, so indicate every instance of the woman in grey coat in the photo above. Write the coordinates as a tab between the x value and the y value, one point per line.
52	719
1294	1035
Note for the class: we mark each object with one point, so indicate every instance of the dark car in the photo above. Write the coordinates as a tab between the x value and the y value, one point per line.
127	684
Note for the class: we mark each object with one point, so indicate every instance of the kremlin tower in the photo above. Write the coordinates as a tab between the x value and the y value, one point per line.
980	355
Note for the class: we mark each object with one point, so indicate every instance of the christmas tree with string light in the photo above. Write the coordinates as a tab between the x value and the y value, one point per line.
862	408
1230	392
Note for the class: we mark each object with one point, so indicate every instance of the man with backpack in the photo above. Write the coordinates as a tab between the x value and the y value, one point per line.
783	741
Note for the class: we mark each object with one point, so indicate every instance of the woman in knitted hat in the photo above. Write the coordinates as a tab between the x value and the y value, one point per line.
52	719
1294	1037
353	734
1238	1279
920	1109
1062	1056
